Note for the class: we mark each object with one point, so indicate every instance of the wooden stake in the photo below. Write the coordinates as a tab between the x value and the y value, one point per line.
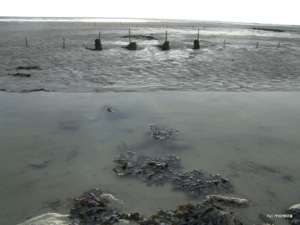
166	36
224	43
256	44
278	45
26	42
198	35
63	42
129	36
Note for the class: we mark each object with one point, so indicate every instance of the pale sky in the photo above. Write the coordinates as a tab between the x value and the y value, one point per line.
253	11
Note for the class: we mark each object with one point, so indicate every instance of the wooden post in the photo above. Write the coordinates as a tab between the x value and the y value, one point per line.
196	42
98	45
278	45
224	44
131	45
166	45
129	36
166	39
63	42
26	44
256	44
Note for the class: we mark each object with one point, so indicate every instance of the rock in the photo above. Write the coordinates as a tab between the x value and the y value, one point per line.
98	45
165	46
113	113
294	211
131	46
94	207
196	44
48	219
232	201
111	201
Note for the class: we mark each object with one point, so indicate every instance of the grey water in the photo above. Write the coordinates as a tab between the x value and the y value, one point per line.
54	146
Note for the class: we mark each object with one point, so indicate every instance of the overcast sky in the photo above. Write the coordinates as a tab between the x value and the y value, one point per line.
255	11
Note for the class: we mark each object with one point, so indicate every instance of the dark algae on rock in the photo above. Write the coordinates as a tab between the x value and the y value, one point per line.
146	169
194	214
159	171
91	209
196	183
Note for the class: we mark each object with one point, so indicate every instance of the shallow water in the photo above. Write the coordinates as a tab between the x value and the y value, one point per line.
58	145
237	66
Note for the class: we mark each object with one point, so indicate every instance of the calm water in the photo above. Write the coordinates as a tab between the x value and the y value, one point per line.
57	145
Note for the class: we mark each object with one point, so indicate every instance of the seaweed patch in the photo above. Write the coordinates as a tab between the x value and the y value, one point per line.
91	209
159	133
159	171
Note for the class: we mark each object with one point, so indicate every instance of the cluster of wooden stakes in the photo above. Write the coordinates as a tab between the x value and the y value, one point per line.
133	45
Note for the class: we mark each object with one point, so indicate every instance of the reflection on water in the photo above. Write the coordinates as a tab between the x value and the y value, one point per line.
55	146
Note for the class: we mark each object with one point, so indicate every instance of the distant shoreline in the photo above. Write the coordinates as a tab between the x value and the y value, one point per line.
135	20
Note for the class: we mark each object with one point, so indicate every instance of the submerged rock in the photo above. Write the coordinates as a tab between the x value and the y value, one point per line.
160	133
112	112
159	171
40	165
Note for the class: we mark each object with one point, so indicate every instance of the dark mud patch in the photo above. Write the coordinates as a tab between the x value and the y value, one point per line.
21	74
144	37
28	68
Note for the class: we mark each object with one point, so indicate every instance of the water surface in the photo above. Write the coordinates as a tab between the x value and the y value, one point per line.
58	145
